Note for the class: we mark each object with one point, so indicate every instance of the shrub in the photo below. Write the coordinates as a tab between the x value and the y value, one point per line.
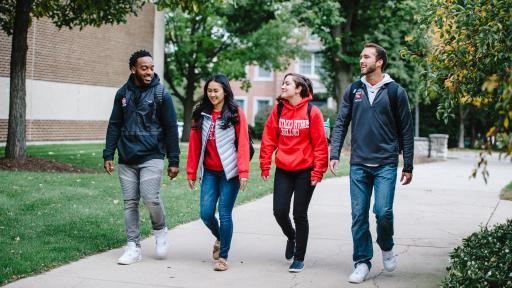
259	121
483	260
330	114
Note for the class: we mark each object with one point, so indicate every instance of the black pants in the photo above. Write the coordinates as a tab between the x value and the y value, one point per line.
286	183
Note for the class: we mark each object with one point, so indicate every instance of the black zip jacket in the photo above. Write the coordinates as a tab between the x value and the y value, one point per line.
374	131
140	128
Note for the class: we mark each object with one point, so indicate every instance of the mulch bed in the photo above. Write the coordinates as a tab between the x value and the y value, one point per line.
40	165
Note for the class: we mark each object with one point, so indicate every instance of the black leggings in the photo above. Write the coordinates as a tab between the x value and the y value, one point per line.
286	183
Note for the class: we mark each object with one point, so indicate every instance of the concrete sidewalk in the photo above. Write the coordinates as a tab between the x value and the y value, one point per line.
432	215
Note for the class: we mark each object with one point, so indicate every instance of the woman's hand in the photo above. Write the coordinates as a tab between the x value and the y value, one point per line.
191	184
243	183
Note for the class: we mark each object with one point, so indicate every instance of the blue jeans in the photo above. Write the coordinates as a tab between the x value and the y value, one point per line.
364	179
215	187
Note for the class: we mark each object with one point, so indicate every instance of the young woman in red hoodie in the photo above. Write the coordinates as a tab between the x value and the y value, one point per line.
301	160
219	149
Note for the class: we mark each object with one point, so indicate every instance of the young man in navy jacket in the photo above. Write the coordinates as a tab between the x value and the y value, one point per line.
381	127
143	128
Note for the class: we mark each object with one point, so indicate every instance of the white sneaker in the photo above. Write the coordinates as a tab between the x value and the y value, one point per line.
131	254
389	260
161	244
359	273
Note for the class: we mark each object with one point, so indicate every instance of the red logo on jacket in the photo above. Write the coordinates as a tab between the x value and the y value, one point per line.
359	95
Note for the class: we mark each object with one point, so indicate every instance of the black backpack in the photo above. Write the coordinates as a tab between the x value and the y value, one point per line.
393	102
251	142
158	97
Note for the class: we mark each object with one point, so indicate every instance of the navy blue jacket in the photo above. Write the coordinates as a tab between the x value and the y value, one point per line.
140	127
374	133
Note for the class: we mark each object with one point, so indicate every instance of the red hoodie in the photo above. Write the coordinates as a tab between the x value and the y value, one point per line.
300	144
242	134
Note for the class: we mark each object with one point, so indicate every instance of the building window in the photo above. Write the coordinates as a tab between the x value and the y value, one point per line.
261	103
242	103
262	74
311	65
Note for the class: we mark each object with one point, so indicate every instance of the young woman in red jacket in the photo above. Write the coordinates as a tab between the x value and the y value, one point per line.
301	160
219	149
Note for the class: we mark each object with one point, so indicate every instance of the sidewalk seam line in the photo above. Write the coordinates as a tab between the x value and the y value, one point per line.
492	214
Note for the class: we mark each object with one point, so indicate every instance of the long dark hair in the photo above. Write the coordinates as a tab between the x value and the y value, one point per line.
229	113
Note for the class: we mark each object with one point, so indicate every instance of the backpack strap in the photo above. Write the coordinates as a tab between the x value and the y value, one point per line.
353	88
393	103
124	92
280	106
159	93
158	99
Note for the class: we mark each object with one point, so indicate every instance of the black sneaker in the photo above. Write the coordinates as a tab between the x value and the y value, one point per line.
296	267
290	250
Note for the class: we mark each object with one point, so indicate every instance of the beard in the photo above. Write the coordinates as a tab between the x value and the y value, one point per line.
140	79
369	69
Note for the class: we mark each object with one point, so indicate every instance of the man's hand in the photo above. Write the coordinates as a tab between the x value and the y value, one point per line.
243	183
109	166
333	166
406	178
172	172
313	183
265	178
192	184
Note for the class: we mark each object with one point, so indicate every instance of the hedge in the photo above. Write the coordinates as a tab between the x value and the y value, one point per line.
483	260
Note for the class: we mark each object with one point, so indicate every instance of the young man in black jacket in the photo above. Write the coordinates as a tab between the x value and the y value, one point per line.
143	128
381	127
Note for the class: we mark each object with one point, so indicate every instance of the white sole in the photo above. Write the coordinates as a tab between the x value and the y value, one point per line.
295	270
128	263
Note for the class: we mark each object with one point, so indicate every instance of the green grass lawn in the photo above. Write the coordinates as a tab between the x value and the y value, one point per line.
49	219
506	192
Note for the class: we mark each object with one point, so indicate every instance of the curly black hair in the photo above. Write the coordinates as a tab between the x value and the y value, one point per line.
138	54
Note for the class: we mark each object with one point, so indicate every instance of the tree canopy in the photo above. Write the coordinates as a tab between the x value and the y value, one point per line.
470	57
225	38
78	13
346	25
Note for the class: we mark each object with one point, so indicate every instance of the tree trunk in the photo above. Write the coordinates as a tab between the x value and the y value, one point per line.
188	108
16	141
461	126
342	70
188	104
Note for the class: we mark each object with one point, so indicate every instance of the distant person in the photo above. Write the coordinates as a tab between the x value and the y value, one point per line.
143	128
381	125
219	149
295	129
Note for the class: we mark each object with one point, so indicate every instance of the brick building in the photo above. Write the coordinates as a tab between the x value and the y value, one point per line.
72	75
266	85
